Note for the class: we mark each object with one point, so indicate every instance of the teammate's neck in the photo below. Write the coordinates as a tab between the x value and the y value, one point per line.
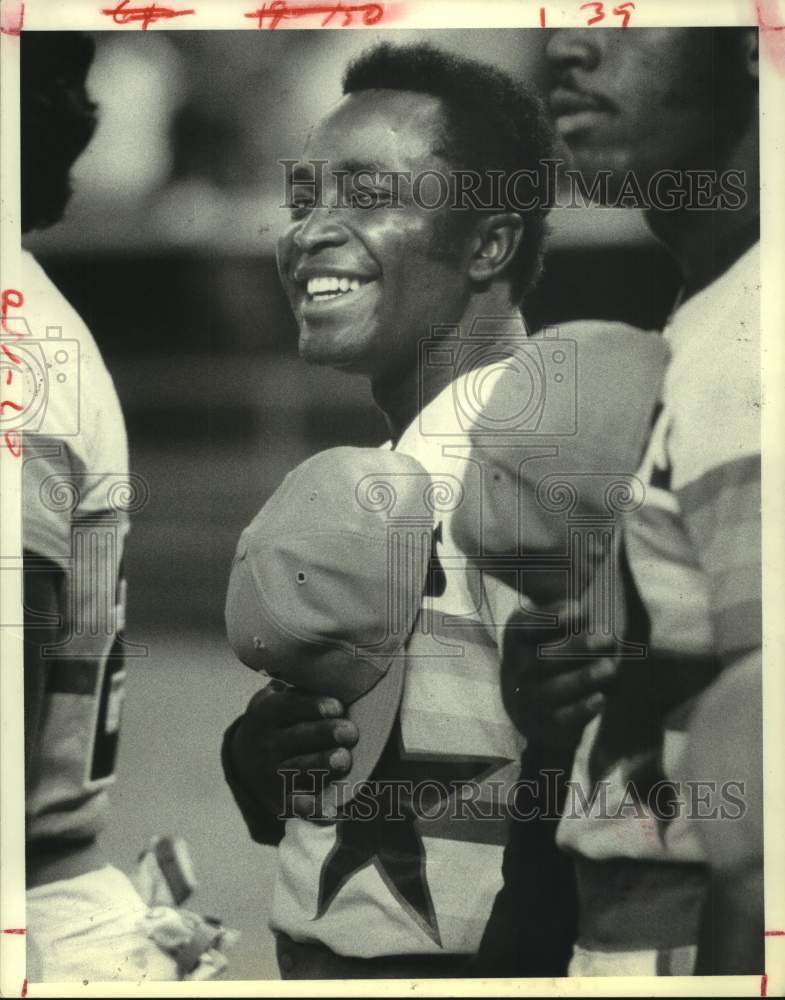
705	244
403	397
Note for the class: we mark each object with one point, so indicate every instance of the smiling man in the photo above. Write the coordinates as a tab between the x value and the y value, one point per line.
369	271
368	267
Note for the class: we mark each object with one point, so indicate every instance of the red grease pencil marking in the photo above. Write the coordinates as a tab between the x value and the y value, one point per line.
14	930
774	933
772	30
542	17
279	10
13	442
123	14
11	357
599	13
13	298
23	993
624	11
764	982
12	17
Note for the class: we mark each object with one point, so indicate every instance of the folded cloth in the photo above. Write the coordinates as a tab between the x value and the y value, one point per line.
165	878
101	927
92	928
195	943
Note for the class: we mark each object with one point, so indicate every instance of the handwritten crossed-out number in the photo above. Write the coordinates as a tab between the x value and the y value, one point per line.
123	14
279	10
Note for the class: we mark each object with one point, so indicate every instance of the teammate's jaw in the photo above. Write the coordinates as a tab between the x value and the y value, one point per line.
633	100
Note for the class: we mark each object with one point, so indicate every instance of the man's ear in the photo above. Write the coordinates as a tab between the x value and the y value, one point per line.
750	50
496	241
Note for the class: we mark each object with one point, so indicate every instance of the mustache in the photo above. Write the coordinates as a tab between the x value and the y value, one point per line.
566	91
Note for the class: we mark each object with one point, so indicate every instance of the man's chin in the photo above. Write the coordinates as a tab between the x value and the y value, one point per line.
320	350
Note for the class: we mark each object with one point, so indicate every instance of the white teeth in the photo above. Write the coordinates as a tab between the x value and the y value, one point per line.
329	285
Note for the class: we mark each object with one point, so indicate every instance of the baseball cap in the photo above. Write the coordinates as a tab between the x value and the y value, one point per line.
598	400
326	586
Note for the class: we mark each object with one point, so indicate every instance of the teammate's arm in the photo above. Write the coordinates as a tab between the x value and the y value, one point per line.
724	742
725	749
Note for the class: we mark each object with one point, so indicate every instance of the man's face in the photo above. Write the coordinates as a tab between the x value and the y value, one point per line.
641	99
366	283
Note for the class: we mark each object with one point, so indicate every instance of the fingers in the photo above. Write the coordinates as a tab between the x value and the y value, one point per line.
305	738
303	735
306	807
598	642
309	770
548	651
286	730
560	653
564	726
280	705
568	687
573	719
552	700
313	772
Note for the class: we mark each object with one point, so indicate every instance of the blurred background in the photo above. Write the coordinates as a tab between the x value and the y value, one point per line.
167	252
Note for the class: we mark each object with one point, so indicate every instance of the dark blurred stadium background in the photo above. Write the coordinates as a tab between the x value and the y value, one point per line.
167	252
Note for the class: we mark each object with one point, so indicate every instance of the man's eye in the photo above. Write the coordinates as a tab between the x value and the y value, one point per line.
372	198
382	198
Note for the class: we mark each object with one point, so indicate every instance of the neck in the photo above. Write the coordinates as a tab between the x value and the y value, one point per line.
706	243
402	397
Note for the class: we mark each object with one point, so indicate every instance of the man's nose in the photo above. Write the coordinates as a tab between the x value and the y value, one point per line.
573	48
320	229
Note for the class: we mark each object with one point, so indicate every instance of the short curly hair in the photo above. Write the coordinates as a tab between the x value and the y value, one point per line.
57	120
491	123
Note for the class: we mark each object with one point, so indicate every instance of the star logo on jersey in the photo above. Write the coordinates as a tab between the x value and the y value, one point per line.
381	827
661	471
436	581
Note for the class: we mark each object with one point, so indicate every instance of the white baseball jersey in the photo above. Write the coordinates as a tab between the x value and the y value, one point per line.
425	882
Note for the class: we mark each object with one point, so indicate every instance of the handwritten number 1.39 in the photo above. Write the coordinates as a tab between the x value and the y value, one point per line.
622	10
